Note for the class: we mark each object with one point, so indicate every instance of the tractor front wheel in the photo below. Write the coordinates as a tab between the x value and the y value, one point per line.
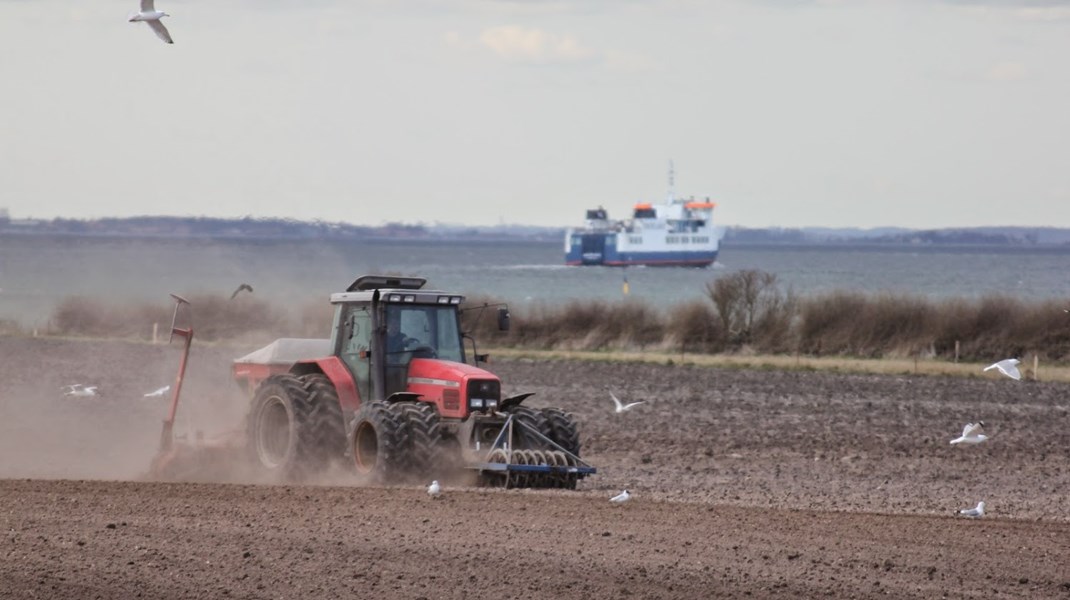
379	442
563	429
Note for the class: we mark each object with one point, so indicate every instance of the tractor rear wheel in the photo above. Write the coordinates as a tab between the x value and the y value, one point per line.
294	426
424	435
535	420
563	429
380	442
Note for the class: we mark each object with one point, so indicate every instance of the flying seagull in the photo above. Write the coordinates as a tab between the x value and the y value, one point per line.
975	512
971	434
78	390
244	286
1008	367
621	497
434	490
152	17
623	407
159	392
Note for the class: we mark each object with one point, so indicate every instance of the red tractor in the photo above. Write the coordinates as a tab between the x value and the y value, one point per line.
395	392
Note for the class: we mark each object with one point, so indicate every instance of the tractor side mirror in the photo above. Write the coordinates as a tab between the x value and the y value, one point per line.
503	319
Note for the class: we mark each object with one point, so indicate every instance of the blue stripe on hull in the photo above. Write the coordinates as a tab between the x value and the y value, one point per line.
665	259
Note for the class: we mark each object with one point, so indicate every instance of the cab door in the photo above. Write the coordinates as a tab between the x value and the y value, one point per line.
356	347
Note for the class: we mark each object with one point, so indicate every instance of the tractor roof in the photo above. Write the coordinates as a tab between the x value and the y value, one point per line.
378	282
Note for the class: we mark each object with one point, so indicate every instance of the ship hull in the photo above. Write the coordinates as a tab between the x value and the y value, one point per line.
603	249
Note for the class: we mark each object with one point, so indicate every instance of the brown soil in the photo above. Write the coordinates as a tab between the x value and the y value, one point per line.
746	484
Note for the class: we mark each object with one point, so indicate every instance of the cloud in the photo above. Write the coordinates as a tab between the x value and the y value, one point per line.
1006	70
519	44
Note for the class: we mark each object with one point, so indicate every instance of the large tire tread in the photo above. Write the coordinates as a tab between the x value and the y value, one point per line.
390	455
563	429
424	435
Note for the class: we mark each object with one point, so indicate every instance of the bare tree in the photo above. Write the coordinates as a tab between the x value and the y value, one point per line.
744	300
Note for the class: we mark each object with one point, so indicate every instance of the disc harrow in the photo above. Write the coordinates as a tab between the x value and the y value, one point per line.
549	467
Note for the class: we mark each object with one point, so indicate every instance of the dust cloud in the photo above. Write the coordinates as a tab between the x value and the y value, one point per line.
114	435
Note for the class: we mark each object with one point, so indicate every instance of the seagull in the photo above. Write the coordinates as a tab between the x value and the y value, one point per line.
434	490
150	15
975	512
621	497
1008	367
623	407
244	286
971	434
78	390
159	392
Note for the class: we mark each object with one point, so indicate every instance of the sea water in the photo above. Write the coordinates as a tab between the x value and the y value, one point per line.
38	272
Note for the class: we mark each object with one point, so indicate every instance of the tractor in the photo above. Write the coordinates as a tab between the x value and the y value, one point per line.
399	405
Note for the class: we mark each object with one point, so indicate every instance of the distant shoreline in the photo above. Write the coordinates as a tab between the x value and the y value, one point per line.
202	228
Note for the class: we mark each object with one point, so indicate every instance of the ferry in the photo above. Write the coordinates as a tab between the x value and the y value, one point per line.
676	233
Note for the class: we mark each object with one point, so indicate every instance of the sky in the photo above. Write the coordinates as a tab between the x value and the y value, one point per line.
919	114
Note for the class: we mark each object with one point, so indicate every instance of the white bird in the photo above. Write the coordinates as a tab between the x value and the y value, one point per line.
152	17
1008	367
78	390
971	434
621	497
975	512
159	392
623	407
434	490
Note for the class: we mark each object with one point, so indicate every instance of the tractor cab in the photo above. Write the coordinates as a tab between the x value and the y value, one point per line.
391	334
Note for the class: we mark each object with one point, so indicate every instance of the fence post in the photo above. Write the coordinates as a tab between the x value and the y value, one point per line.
956	351
155	330
1036	364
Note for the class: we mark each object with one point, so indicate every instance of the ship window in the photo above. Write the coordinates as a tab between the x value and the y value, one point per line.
635	239
645	213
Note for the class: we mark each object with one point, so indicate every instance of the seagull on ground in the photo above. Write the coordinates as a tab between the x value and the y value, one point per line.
1008	367
245	286
974	513
159	392
152	17
78	389
434	490
623	407
621	497
971	434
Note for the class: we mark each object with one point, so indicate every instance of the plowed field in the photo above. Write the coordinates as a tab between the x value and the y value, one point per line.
746	484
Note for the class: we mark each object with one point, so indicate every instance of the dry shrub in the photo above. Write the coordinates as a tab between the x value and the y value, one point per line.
895	326
759	318
996	327
850	323
212	318
10	327
827	322
1050	325
694	327
587	325
220	318
82	316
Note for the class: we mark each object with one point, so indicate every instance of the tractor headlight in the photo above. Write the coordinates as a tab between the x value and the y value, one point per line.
443	299
410	298
483	394
393	298
455	300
